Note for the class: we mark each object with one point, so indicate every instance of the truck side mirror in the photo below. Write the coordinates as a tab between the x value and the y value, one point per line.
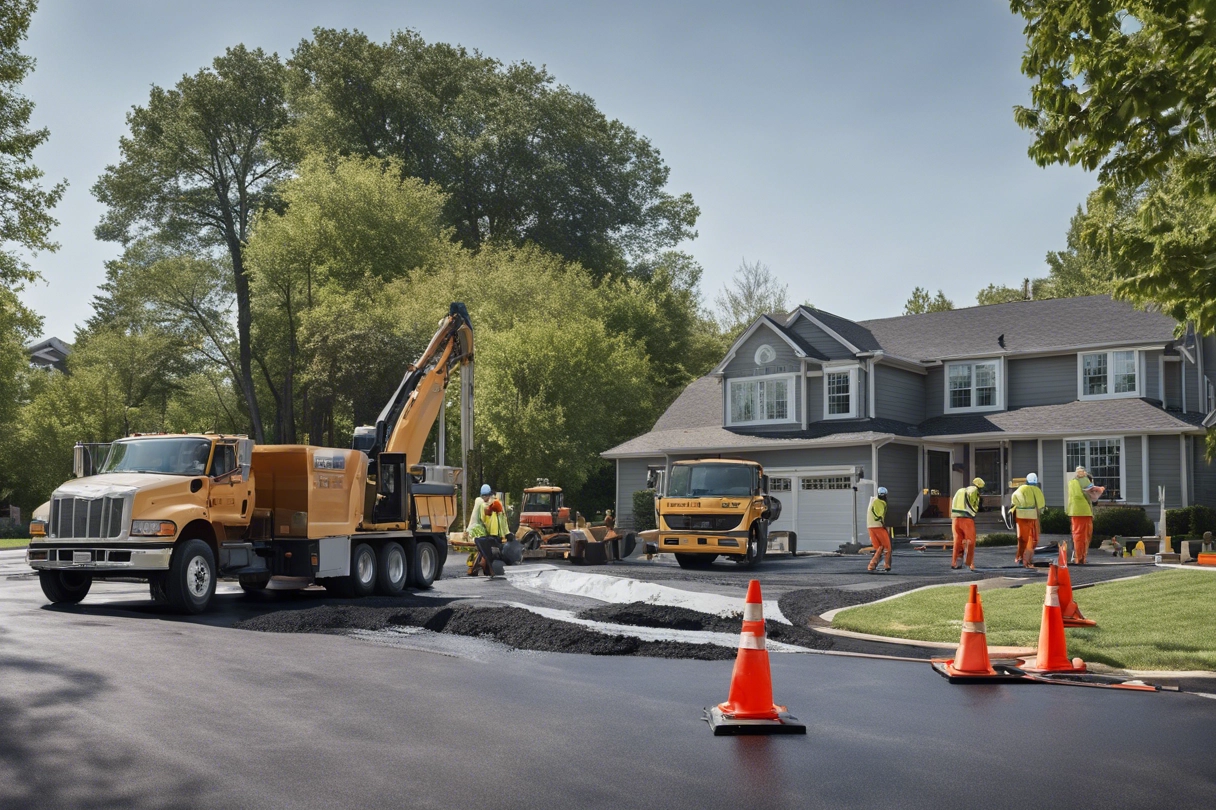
244	456
78	456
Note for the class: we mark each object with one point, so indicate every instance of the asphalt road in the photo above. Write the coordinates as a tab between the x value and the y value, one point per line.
115	704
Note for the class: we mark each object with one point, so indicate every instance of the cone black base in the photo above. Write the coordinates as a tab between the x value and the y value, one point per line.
725	725
1004	674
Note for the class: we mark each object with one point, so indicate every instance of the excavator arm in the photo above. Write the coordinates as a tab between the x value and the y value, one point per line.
406	421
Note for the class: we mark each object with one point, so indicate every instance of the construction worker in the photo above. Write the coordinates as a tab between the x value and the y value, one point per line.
1028	505
880	536
477	525
1079	508
494	524
963	509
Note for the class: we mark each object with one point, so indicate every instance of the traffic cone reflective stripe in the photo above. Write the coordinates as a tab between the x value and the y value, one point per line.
1053	648
971	659
751	641
1068	606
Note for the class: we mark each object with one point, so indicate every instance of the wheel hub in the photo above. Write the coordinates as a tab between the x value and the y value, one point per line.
198	577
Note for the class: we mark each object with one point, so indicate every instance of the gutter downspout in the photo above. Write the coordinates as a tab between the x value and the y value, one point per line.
805	404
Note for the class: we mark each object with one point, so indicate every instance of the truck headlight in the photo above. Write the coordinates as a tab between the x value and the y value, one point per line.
153	528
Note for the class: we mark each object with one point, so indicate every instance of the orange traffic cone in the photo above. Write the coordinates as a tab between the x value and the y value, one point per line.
749	708
972	656
1053	649
1068	607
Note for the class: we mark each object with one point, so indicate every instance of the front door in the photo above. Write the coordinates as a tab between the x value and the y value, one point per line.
938	462
988	467
229	494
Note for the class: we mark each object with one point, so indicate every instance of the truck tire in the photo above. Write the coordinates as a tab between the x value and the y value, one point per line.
425	565
392	571
793	543
362	570
754	553
65	587
693	561
253	582
191	582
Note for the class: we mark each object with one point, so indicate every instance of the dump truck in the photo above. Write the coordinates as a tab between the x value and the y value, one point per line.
183	510
714	507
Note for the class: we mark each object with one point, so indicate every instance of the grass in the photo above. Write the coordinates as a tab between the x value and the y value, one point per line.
1160	621
14	542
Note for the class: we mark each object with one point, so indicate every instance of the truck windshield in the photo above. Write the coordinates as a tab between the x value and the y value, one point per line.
538	502
711	481
184	456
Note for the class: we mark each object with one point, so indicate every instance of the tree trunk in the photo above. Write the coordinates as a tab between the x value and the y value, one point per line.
243	320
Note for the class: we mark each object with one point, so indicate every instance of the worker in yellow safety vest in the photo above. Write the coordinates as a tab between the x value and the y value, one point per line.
1081	510
963	509
880	536
1028	505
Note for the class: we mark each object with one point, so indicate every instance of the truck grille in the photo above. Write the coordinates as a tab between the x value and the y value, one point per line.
86	518
702	523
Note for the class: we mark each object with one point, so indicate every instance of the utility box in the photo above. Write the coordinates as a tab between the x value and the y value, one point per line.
310	492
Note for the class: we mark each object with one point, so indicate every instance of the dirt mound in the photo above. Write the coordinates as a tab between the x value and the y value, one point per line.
512	626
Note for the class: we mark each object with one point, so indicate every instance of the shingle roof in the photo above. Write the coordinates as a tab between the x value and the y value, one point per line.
719	439
852	331
698	405
1099	416
1028	326
797	339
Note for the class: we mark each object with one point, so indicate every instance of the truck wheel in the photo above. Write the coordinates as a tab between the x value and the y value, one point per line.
695	560
65	587
426	564
363	570
755	551
253	582
391	570
191	576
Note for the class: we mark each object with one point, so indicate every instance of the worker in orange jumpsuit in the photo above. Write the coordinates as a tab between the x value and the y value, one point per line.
1028	505
1079	507
963	509
880	535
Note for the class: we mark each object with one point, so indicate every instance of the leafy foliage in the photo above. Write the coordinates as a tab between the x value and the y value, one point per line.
1053	520
753	291
643	510
1122	521
921	302
1192	520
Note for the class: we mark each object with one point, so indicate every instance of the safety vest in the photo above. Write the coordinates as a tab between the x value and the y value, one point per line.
495	523
876	517
1028	501
477	524
966	502
1078	504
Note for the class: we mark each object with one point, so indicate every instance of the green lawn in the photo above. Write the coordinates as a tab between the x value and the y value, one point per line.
14	542
1164	620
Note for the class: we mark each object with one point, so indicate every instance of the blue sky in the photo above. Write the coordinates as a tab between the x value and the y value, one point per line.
857	148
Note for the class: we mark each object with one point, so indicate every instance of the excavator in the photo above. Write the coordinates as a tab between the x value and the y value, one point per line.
181	511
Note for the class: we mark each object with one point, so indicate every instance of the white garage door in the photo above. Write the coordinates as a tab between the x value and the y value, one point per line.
825	512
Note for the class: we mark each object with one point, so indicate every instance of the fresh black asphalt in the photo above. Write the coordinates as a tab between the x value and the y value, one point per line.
117	705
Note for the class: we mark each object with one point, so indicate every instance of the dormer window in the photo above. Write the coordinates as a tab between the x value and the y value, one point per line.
973	385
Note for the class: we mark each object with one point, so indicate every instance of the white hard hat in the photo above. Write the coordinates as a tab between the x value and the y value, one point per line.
485	489
1032	478
882	490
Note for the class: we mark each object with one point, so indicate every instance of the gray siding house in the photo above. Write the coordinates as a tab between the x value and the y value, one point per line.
922	403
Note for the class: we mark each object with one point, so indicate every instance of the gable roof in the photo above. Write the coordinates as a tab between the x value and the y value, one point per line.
698	405
855	335
1053	324
801	347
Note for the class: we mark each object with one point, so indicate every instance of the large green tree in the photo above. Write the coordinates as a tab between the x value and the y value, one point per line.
199	162
520	157
1126	89
921	301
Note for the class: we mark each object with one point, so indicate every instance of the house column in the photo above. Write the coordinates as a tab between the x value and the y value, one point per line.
1040	470
1144	490
1182	484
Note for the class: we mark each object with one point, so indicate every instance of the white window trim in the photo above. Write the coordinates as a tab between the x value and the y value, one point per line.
792	415
1133	394
997	399
852	372
1071	472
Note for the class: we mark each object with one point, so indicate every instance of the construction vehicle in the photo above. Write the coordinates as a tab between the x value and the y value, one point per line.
87	457
181	511
544	518
714	507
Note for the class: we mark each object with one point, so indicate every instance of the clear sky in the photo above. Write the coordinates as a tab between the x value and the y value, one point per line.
857	148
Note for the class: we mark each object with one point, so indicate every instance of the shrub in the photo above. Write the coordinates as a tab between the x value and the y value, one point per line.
643	510
998	539
1177	521
1054	521
1193	520
1122	521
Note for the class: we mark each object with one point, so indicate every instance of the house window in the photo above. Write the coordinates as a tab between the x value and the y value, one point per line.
972	386
828	482
839	389
1108	374
1101	458
778	485
760	399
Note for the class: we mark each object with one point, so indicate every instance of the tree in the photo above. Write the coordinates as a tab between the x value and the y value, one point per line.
1000	294
1082	268
921	302
753	291
199	162
521	158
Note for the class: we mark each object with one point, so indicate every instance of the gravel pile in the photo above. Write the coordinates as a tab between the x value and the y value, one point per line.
512	626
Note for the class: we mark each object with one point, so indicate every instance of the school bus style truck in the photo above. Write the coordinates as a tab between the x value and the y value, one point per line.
714	507
181	511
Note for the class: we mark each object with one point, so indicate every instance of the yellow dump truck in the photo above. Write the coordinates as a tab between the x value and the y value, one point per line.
183	510
714	507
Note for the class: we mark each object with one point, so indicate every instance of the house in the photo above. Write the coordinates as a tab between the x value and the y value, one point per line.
928	402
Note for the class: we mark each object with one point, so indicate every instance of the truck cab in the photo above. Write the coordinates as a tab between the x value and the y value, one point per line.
715	507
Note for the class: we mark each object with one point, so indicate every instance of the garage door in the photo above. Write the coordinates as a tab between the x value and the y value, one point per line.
825	512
